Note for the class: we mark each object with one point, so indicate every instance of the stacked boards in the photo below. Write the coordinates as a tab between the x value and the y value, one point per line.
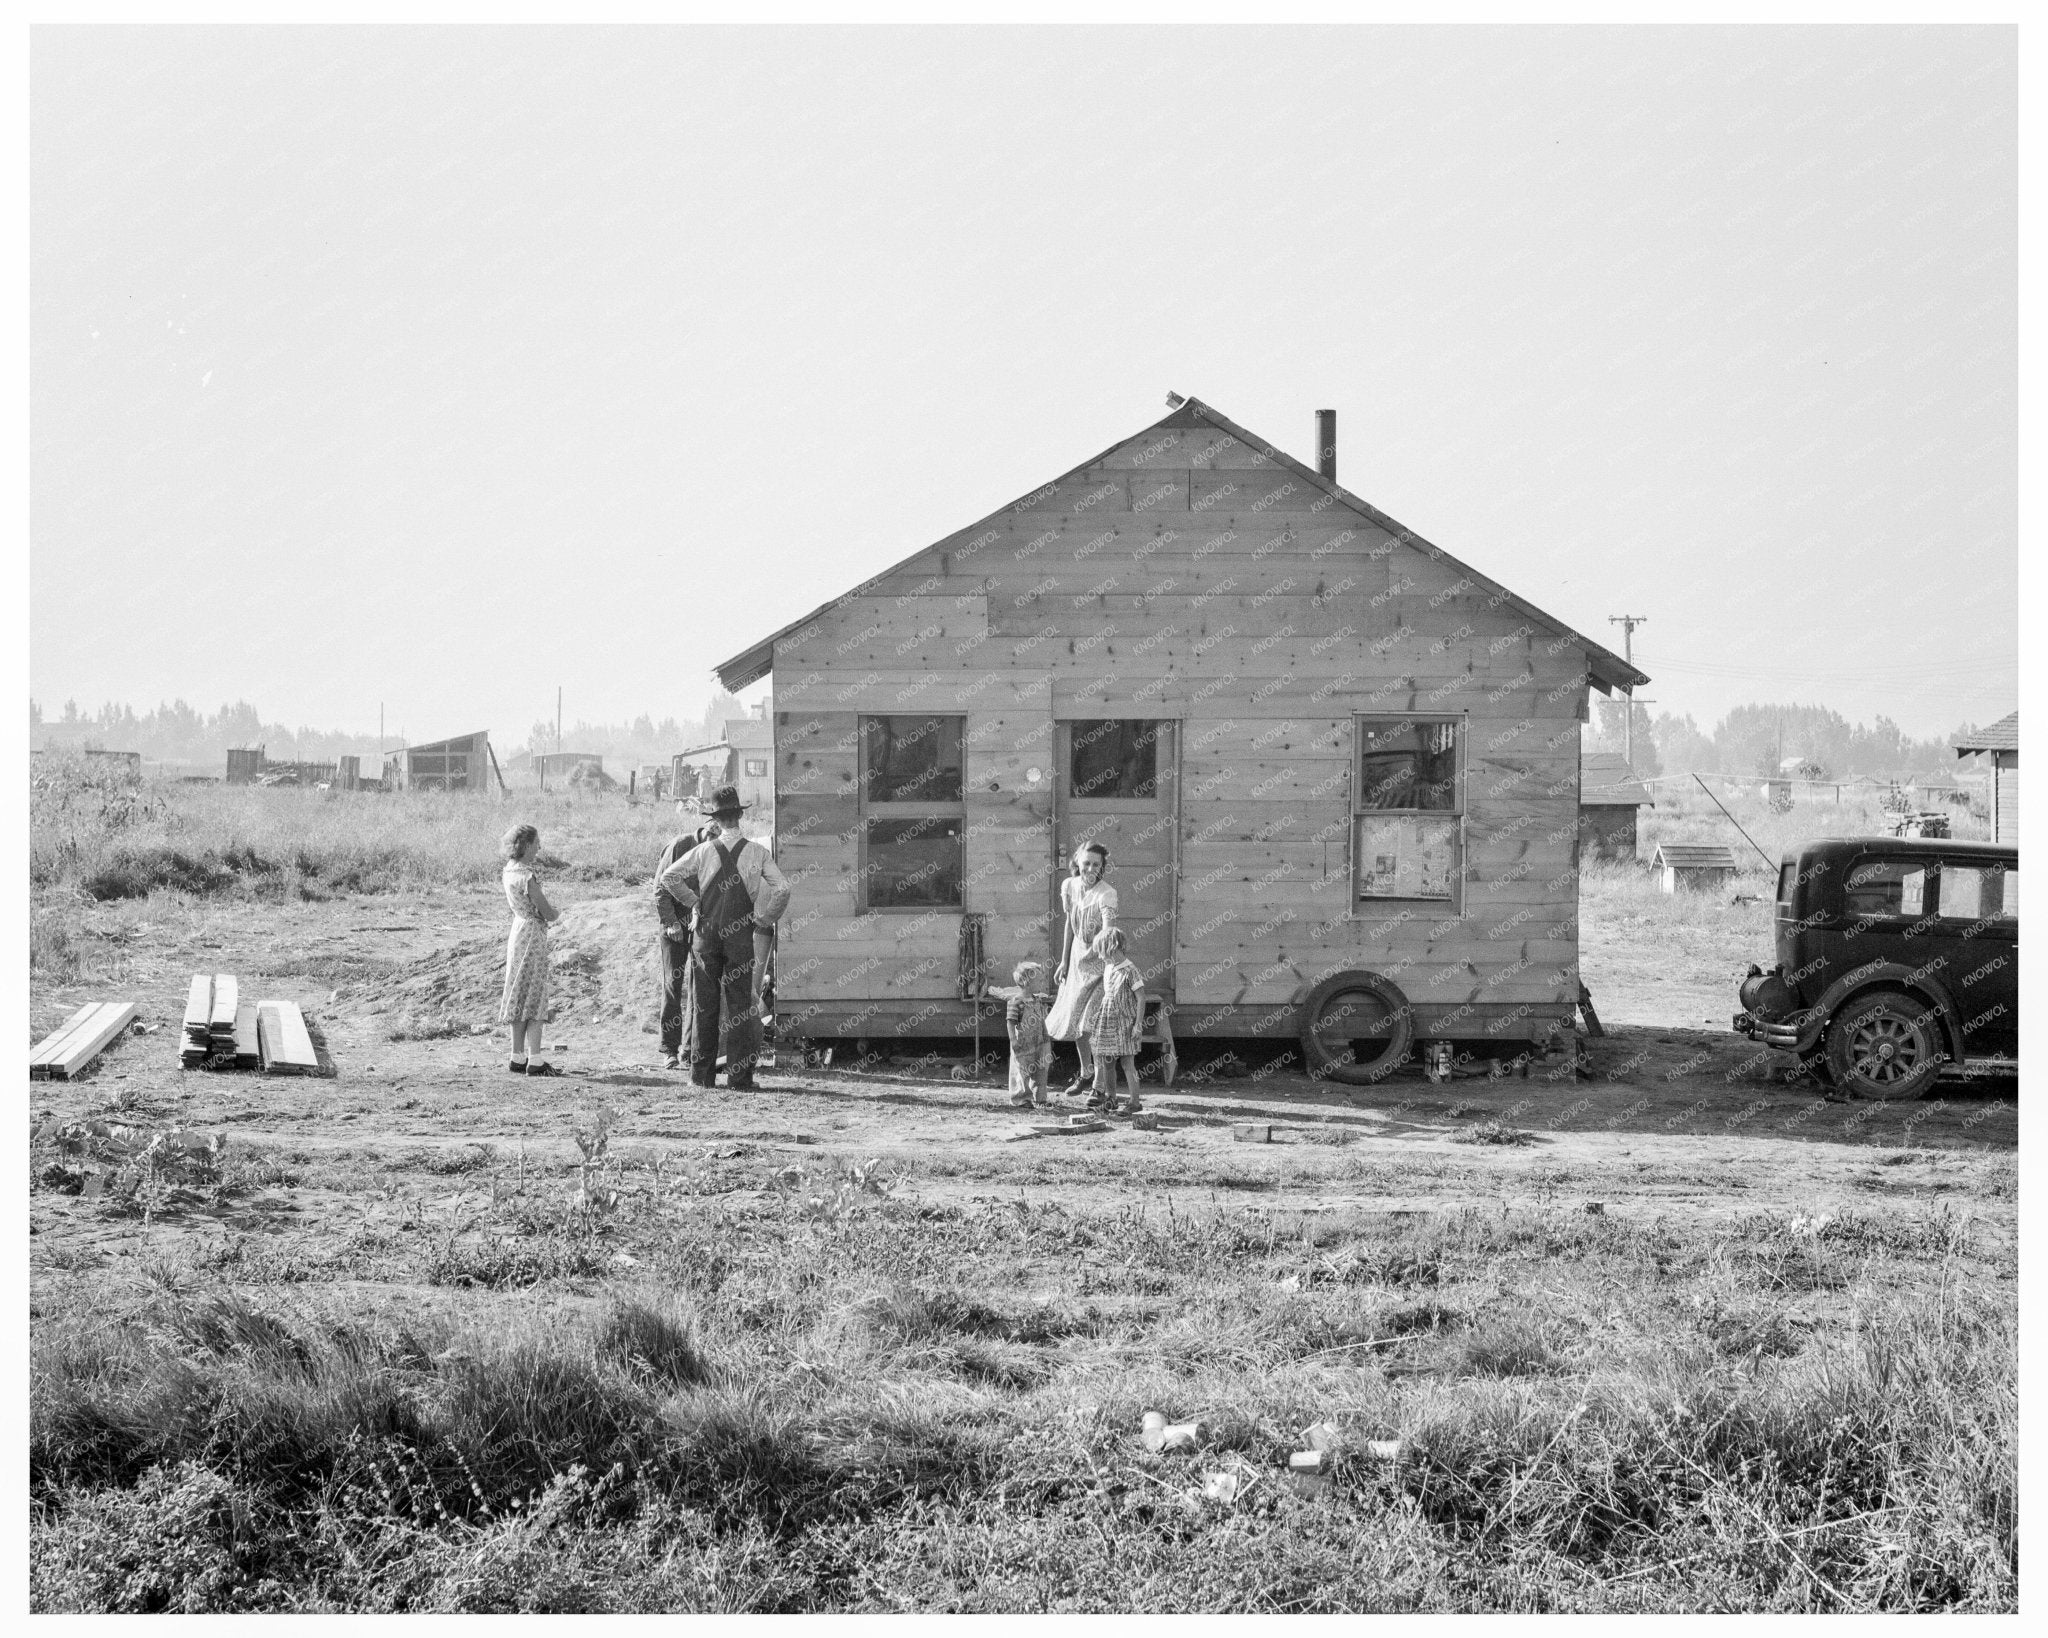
84	1036
225	1031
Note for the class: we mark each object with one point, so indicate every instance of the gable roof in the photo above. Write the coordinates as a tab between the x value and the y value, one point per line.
1694	856
1608	670
2002	735
1607	781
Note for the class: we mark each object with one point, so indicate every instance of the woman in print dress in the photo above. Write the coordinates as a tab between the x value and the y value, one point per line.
1090	905
525	1003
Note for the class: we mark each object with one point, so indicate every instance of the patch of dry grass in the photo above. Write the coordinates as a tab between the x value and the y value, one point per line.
289	843
794	1395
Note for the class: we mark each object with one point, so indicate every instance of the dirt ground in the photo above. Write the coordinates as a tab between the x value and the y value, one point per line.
1678	1116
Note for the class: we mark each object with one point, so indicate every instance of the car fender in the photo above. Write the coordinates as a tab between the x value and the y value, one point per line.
1894	975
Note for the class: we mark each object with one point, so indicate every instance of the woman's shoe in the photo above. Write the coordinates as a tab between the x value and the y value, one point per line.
517	1066
542	1069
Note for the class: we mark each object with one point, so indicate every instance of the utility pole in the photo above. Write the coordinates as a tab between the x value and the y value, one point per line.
1628	624
558	719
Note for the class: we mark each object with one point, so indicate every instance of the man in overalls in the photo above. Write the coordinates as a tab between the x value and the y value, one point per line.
675	939
737	895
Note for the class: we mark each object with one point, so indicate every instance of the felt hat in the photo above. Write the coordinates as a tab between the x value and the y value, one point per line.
725	800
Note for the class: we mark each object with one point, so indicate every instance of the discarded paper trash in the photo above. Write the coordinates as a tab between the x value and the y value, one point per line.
1305	1461
1163	1436
1320	1436
1221	1487
1387	1450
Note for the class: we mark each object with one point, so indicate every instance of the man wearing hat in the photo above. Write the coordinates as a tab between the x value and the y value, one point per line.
736	896
675	935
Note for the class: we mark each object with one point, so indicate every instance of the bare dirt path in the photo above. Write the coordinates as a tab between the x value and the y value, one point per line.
1676	1118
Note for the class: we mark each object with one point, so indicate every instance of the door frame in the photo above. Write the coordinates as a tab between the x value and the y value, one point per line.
1168	773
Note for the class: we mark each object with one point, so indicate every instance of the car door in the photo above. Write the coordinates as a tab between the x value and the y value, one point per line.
1977	919
1884	913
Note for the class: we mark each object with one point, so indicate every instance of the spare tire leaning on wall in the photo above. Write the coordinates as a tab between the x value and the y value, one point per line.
1356	1027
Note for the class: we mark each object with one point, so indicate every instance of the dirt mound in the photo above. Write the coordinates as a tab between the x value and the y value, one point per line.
603	963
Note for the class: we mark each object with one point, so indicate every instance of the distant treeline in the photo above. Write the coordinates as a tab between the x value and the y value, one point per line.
1750	740
1757	739
178	733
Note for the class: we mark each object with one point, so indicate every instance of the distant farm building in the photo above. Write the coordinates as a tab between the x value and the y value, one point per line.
1694	868
2001	744
1609	795
460	764
744	757
1336	768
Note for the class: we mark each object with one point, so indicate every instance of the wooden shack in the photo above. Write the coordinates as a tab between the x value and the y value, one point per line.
1316	745
460	764
2001	744
743	756
1609	796
1694	867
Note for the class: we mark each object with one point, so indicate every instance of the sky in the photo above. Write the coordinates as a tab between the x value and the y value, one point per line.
438	368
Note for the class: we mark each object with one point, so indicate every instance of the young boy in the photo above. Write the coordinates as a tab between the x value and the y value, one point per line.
1030	1046
1118	1024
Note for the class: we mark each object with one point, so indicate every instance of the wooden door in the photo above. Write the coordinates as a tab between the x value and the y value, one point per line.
1117	782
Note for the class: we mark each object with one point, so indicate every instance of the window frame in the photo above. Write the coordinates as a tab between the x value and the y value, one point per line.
1156	725
1373	908
867	808
1994	872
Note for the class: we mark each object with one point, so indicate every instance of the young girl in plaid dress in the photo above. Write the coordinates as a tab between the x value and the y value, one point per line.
1030	1046
1118	1023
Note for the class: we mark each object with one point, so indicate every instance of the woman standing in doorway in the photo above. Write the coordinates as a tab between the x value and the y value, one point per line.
525	1003
1090	905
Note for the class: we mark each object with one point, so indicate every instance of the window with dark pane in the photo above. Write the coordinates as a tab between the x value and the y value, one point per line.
912	759
913	863
1408	765
1408	811
1114	760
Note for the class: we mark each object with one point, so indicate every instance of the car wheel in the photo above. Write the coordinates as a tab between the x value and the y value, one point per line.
1356	1027
1885	1045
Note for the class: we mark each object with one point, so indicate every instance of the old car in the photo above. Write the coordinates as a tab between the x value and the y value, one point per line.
1896	957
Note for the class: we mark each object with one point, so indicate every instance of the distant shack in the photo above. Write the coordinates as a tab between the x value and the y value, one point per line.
1694	868
743	757
2001	743
465	763
1609	795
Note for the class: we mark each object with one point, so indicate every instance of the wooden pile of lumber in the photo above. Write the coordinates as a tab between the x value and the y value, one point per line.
85	1034
223	1031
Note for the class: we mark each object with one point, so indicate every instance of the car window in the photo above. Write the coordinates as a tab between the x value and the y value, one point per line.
1967	892
2009	910
1788	882
1886	887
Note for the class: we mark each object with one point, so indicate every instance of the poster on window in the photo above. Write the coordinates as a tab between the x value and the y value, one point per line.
1406	857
